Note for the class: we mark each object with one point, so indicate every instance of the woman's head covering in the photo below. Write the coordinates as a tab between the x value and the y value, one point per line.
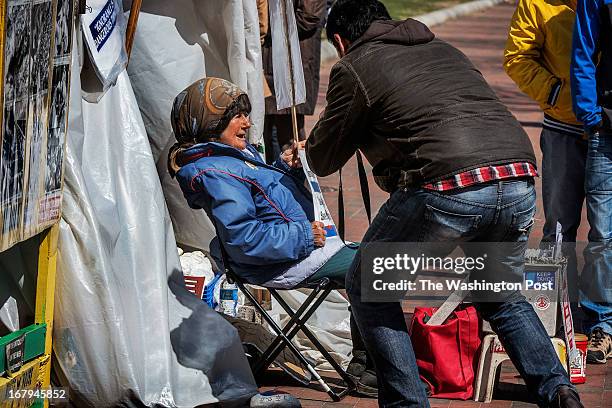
204	109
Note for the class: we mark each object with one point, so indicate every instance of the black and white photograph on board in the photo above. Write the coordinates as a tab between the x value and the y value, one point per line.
57	128
17	56
40	51
16	75
12	162
63	27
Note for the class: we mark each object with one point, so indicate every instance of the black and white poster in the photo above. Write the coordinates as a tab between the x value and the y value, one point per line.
50	203
40	51
57	127
36	76
63	28
16	75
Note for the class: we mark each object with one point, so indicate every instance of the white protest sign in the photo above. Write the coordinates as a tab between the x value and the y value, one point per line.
103	24
285	55
320	208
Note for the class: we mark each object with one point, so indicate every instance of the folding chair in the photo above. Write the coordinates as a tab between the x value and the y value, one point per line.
297	322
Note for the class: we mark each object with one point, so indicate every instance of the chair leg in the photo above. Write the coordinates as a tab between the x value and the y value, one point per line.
285	334
333	395
271	352
281	334
301	325
275	348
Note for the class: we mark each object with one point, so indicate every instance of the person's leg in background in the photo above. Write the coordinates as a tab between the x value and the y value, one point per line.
269	136
278	132
284	132
563	164
596	278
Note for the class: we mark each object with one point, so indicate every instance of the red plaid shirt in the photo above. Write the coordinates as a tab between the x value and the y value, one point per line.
482	175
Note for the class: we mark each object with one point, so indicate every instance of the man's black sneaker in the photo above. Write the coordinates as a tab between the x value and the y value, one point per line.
566	397
600	347
367	384
357	365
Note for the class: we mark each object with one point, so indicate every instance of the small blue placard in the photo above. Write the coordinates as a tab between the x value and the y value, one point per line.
330	231
541	277
104	23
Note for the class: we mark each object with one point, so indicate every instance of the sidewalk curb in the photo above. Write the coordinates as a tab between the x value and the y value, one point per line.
328	52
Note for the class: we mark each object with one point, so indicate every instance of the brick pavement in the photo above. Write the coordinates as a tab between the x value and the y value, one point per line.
481	37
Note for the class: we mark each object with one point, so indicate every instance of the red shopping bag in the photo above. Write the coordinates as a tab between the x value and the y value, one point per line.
447	355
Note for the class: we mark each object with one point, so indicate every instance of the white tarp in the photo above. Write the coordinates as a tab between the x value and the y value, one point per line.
178	42
126	330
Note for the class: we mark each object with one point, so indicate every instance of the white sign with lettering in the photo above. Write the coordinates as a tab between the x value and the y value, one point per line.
103	26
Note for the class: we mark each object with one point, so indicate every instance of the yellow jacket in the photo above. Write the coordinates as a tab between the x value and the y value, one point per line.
538	53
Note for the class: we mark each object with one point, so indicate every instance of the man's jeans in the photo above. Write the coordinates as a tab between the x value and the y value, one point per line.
493	212
596	278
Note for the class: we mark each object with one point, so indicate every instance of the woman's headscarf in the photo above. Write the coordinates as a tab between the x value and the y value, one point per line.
201	112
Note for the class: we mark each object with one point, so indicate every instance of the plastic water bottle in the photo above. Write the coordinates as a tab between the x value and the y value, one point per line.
229	298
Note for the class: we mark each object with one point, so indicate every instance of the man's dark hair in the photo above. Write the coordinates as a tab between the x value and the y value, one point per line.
352	18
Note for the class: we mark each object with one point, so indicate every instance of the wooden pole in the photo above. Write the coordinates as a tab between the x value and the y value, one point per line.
131	27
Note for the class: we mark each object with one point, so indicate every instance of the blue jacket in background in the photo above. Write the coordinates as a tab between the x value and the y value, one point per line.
585	56
263	215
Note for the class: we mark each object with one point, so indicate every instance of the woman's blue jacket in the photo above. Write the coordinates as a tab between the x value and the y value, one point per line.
262	213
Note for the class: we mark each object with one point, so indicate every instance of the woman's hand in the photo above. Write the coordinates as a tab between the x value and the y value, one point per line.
318	233
290	155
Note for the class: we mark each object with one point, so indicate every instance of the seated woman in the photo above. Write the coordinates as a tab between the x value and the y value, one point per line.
263	214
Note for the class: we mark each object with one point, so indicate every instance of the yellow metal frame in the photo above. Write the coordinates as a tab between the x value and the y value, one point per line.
45	297
37	373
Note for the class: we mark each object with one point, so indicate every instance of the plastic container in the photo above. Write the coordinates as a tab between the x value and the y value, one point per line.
208	296
228	299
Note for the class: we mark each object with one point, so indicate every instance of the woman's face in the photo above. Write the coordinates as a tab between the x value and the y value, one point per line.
235	133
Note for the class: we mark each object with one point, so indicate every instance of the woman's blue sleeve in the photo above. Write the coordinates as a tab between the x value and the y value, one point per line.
246	238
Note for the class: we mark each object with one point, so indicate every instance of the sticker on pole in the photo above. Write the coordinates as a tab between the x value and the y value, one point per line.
103	24
15	351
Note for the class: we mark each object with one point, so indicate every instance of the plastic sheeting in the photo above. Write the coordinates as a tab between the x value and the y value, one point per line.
176	43
126	329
